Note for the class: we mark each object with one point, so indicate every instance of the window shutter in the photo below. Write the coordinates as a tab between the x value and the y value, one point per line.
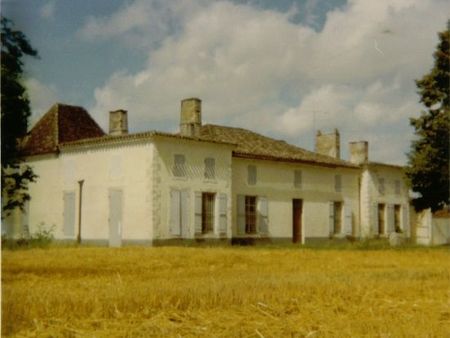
251	175
298	179
185	213
331	218
198	212
241	214
405	220
348	226
223	213
263	219
69	214
338	183
175	213
390	218
375	218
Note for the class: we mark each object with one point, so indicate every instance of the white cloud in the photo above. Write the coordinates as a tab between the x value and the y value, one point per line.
41	97
256	69
48	10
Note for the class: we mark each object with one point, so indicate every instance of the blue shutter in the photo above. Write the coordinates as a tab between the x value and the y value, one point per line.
331	218
69	214
185	214
223	213
241	214
198	212
263	219
348	226
175	213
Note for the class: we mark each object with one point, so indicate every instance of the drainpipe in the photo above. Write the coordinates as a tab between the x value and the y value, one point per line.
79	211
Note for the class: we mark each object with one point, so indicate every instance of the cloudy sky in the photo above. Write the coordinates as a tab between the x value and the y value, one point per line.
282	68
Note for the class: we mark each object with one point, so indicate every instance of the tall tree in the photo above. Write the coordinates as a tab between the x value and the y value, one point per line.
428	169
15	111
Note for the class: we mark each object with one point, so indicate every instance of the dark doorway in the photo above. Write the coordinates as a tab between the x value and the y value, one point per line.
297	208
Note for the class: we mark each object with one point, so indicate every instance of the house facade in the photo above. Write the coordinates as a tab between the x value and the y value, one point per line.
206	183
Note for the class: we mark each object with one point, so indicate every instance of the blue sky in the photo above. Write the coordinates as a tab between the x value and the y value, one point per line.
282	68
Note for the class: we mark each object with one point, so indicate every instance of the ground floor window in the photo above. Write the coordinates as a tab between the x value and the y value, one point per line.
381	219
208	212
250	214
337	219
397	210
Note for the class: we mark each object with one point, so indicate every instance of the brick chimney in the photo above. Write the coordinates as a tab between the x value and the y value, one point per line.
359	152
118	122
328	144
191	117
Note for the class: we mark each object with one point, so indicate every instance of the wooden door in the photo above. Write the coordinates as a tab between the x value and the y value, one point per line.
297	207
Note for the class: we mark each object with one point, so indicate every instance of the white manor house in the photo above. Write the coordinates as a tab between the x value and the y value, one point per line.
205	183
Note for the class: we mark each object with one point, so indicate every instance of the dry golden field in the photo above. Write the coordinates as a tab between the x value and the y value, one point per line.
225	292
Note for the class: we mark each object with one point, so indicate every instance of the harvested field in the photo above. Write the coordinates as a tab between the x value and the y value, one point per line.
225	292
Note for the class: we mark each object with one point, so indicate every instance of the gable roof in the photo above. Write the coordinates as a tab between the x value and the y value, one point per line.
256	146
61	124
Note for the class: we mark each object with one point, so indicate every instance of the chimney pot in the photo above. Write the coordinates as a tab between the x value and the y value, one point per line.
191	117
328	144
118	122
359	152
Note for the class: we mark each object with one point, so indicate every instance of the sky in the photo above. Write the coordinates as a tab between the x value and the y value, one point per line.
281	68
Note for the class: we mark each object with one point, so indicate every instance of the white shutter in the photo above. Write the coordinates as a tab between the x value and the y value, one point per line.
348	226
375	218
69	214
223	213
390	218
331	218
262	208
241	214
198	212
185	214
175	213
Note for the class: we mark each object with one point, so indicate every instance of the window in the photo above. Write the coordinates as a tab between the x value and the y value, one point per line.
338	183
207	212
381	186
298	178
210	166
397	226
337	221
179	169
381	219
397	187
251	175
250	214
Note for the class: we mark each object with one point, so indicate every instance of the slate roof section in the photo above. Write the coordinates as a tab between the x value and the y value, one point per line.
61	124
256	146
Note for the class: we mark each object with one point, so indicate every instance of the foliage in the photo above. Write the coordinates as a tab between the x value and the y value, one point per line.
225	292
41	238
15	111
428	171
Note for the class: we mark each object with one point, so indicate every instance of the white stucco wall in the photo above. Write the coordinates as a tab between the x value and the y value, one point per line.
195	153
371	197
126	167
275	180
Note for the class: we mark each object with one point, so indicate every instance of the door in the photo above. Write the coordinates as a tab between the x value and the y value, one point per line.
297	207
115	217
69	214
381	221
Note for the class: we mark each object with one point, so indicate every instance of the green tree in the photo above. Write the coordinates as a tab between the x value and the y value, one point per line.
15	111
428	169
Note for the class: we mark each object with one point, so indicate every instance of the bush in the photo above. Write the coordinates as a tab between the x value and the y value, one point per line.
41	238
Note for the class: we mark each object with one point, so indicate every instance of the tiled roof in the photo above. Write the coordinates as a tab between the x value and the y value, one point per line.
126	138
61	124
256	146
